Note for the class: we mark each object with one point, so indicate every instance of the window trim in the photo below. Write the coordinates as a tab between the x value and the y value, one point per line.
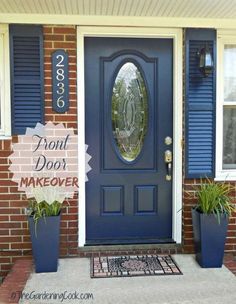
5	131
223	37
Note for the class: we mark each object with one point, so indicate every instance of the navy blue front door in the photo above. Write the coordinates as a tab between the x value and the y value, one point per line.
129	114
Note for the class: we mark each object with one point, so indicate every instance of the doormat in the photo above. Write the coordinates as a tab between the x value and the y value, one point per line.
133	265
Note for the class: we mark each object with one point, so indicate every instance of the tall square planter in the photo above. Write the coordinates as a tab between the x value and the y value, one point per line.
45	237
209	238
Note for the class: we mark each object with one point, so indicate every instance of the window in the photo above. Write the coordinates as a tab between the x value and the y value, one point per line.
226	108
5	112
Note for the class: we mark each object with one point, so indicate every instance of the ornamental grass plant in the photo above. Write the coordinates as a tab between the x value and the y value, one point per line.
214	198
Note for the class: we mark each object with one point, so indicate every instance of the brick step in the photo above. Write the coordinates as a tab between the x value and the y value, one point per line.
99	250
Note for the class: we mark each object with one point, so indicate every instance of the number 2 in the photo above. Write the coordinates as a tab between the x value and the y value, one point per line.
59	64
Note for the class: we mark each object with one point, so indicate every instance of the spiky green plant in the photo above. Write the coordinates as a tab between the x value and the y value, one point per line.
214	198
42	210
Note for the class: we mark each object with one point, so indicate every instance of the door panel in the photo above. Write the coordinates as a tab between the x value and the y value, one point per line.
128	90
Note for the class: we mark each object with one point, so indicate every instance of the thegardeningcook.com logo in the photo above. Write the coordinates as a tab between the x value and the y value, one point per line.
44	162
60	297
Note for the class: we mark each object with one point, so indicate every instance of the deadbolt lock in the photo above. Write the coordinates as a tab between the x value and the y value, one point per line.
168	156
168	140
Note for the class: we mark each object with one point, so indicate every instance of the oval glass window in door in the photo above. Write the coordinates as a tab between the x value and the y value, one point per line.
129	111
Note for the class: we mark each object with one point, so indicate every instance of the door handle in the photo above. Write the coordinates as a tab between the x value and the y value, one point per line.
168	161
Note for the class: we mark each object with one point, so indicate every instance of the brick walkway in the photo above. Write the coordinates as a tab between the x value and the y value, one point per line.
230	262
15	281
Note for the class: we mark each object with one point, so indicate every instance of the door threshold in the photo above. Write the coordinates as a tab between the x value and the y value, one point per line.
128	247
139	242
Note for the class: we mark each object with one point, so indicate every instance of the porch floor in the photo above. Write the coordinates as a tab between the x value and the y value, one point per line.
195	286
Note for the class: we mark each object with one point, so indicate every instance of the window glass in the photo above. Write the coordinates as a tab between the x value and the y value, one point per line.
129	111
229	109
230	73
229	138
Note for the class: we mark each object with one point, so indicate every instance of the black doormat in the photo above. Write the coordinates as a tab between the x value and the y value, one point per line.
133	265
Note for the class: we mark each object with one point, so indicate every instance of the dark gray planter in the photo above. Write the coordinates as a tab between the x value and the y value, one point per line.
209	238
45	239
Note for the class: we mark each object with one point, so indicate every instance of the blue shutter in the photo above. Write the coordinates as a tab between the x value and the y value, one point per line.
27	79
199	107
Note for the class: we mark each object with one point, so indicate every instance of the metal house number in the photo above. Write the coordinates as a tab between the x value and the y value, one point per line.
60	83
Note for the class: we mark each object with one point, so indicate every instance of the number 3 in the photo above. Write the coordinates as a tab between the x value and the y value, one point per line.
61	89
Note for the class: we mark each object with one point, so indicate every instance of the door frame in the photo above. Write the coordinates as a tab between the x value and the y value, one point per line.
133	32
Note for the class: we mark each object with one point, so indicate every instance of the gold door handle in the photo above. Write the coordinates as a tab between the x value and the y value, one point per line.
168	161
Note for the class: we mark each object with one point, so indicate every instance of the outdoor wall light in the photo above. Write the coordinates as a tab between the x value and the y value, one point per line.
206	64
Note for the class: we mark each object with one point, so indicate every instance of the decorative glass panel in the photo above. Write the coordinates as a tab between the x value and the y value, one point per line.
129	111
229	138
230	73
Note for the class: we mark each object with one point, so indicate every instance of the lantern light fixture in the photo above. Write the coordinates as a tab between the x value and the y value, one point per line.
206	64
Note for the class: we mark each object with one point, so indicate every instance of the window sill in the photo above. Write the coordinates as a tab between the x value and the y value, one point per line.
226	176
7	137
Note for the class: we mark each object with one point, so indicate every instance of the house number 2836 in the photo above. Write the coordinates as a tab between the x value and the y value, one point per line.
60	84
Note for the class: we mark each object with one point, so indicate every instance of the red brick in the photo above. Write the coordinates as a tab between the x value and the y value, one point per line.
48	82
70	37
10	239
18	204
5	153
73	238
5	267
19	231
47	45
16	218
9	211
73	224
4	161
4	231
72	53
65	45
48	74
54	37
70	217
10	225
73	251
65	118
63	30
47	30
3	168
4	218
7	145
10	196
70	230
4	260
4	245
21	246
48	66
72	75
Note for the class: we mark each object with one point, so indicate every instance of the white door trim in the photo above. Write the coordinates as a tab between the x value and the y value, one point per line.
176	34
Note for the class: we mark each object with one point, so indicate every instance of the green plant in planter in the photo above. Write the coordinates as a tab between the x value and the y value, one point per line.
43	210
210	221
214	198
44	225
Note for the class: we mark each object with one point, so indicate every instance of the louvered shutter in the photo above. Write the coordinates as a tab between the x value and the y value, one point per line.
200	106
27	79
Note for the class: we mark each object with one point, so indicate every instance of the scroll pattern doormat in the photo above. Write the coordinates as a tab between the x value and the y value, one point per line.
133	265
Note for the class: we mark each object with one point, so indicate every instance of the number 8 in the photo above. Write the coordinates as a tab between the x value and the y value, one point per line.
60	75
